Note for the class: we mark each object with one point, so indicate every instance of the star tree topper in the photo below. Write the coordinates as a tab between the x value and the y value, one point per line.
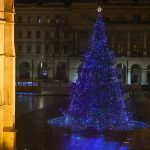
99	9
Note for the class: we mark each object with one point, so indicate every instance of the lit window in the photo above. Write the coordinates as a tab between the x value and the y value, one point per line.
45	73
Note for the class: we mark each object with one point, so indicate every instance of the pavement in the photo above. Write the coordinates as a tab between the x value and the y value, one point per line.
33	131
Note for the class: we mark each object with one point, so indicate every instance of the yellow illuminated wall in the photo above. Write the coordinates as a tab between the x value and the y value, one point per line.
7	76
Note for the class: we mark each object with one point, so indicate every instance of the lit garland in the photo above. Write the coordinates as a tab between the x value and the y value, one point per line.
97	96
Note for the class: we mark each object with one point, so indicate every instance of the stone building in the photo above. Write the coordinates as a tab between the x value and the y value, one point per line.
7	76
50	37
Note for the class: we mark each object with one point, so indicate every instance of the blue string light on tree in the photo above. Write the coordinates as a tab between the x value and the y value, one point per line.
97	96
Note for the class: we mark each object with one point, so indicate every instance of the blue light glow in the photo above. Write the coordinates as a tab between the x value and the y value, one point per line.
93	143
97	96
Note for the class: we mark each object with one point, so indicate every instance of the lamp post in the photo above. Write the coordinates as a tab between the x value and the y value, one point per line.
57	45
41	68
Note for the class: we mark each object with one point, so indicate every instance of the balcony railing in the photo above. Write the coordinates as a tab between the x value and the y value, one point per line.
128	22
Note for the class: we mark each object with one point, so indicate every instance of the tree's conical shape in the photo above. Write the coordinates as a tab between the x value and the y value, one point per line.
97	97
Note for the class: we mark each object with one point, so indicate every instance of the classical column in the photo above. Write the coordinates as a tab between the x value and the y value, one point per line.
129	76
9	78
144	76
2	23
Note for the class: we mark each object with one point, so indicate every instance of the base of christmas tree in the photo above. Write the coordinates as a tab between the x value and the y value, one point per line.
61	126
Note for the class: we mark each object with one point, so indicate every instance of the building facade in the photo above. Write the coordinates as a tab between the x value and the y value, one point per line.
51	37
7	76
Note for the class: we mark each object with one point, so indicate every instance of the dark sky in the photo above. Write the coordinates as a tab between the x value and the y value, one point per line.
48	1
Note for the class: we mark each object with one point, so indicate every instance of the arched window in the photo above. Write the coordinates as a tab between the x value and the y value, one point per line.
122	72
42	70
24	70
61	73
148	74
136	74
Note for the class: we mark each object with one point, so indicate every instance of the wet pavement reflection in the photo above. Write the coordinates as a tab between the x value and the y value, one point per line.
91	143
33	133
28	102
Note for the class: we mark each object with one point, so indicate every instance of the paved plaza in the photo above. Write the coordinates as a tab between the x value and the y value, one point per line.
33	132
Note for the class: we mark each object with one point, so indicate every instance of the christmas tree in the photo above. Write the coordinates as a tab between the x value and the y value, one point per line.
97	96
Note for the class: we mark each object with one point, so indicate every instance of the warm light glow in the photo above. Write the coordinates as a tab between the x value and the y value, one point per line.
99	9
7	76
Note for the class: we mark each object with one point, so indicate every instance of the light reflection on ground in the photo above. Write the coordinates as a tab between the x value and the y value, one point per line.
91	143
33	134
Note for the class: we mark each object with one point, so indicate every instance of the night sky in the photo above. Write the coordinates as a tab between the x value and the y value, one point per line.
49	1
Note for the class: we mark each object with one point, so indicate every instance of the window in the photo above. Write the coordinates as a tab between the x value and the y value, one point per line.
136	49
48	20
38	49
120	49
38	19
66	34
29	19
58	18
47	34
29	35
24	70
136	18
38	34
136	35
19	19
29	48
121	19
19	35
47	49
19	49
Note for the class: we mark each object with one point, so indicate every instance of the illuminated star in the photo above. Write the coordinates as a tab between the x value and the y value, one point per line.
99	9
